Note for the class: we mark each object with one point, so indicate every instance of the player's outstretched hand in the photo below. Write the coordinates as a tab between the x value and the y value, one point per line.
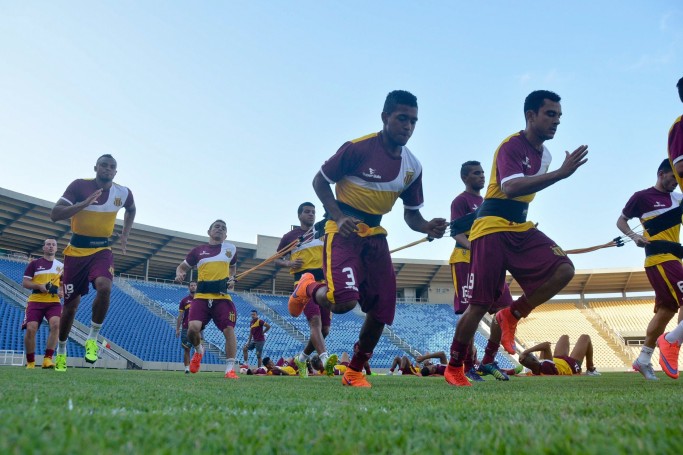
93	197
573	161
436	227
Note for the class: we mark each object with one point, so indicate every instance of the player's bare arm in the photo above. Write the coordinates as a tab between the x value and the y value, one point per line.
128	218
434	228
267	327
63	210
181	271
322	189
531	184
622	224
179	321
462	240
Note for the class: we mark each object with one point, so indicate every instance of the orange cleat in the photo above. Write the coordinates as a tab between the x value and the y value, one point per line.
299	299
195	363
456	376
508	326
355	379
231	375
668	356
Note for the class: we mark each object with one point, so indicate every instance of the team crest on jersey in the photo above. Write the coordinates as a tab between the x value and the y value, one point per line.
59	269
228	253
118	202
408	177
111	270
557	251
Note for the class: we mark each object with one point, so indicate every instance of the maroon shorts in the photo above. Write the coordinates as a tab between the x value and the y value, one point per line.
79	271
360	269
460	272
665	279
222	311
35	312
530	256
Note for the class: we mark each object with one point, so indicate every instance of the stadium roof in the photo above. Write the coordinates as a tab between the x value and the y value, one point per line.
156	252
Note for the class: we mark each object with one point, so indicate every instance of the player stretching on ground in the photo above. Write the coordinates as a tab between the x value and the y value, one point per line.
502	238
308	258
560	362
42	277
370	173
212	301
182	323
662	261
92	205
463	212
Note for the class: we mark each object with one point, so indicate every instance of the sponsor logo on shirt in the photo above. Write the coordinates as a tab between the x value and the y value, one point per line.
659	204
526	162
371	174
204	253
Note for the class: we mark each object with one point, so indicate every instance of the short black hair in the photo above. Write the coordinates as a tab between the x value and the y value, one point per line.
265	361
192	281
465	168
254	311
425	371
300	210
398	97
680	88
106	155
217	221
535	100
665	166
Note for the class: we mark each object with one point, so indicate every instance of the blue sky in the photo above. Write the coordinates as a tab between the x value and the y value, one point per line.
228	109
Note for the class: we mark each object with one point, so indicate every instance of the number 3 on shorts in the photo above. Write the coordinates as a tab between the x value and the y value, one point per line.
349	275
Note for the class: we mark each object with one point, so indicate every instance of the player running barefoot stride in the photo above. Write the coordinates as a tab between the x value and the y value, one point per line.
370	173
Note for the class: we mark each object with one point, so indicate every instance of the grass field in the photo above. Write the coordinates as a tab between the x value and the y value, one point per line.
113	411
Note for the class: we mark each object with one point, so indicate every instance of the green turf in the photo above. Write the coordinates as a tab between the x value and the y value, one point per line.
111	411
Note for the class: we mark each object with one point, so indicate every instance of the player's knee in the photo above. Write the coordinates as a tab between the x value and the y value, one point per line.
343	307
565	272
325	330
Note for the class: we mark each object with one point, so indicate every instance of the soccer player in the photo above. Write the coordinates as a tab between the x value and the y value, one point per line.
502	238
438	369
370	173
42	278
212	301
92	205
670	343
405	366
560	362
285	369
182	321
257	337
463	213
662	261
308	258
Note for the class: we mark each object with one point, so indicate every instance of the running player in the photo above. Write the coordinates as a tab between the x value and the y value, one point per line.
92	205
662	262
463	213
502	238
42	277
182	322
560	362
257	337
212	301
370	173
308	258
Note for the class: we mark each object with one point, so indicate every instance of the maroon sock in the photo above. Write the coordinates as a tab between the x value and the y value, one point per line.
30	357
521	308
490	352
312	288
49	353
358	360
468	361
367	368
457	353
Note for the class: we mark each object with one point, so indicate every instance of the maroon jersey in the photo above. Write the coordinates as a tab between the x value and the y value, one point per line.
676	146
464	204
184	308
440	370
256	330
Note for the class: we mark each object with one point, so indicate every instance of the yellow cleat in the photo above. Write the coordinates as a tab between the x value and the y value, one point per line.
48	364
30	365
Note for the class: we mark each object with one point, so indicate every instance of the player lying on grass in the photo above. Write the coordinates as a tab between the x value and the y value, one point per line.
560	362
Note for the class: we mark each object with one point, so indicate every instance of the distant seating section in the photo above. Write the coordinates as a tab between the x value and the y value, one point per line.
13	269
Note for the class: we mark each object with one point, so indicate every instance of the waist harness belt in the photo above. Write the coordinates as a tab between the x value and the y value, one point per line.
84	241
213	287
509	209
664	247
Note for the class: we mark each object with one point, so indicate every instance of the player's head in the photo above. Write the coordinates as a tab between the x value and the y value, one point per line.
472	175
666	180
399	117
425	371
268	363
680	88
531	362
192	286
218	231
316	363
254	315
306	213
542	112
50	247
105	168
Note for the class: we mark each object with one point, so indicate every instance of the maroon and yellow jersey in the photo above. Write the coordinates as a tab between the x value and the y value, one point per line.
213	263
96	220
42	271
464	204
311	253
514	158
370	180
256	330
560	366
676	146
647	204
184	309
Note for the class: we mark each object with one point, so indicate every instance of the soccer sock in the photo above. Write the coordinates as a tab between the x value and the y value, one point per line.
303	357
457	353
313	288
358	360
49	353
230	365
187	368
468	361
94	330
367	368
323	357
30	358
490	352
61	347
520	308
645	355
199	348
675	335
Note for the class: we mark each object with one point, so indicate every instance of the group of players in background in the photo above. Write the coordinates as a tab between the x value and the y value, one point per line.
348	263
